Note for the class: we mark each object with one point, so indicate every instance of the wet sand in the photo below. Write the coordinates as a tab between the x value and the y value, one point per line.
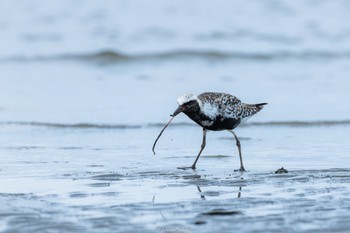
112	184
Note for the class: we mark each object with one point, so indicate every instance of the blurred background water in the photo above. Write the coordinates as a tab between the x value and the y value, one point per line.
86	85
126	62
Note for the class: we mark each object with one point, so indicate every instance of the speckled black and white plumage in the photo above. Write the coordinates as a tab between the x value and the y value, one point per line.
217	111
214	111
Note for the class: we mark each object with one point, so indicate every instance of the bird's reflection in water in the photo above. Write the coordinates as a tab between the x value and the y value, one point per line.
160	211
203	195
239	192
200	192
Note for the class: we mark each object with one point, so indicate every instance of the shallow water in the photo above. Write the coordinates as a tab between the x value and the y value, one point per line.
99	180
86	87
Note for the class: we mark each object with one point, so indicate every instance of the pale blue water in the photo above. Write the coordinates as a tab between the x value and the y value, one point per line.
86	86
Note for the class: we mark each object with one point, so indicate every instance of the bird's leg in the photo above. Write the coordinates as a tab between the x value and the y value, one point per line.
238	143
202	147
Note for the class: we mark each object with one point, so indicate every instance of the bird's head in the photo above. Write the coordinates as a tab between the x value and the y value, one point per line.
187	103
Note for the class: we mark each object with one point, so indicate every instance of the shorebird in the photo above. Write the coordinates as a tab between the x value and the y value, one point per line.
214	111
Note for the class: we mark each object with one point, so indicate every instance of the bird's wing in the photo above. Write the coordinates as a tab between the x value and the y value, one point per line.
230	106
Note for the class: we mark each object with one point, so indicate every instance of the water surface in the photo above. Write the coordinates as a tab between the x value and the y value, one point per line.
86	87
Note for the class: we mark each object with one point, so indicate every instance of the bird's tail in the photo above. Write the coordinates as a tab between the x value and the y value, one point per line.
260	106
252	109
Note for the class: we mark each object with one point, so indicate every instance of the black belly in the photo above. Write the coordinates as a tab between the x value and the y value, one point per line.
219	123
222	124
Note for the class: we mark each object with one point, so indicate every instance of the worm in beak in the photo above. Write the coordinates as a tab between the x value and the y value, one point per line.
177	111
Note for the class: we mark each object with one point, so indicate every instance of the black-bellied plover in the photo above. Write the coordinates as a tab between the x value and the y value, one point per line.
214	111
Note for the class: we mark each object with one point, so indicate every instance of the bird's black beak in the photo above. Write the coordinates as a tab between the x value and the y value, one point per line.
177	111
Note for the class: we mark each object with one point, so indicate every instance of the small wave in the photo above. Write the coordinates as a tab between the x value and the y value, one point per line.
90	125
103	56
112	57
301	123
72	126
180	124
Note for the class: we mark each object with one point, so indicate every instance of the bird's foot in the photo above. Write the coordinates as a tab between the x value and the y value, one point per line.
186	168
240	170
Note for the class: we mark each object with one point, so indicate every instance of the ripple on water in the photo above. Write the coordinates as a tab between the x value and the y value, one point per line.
99	185
108	177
